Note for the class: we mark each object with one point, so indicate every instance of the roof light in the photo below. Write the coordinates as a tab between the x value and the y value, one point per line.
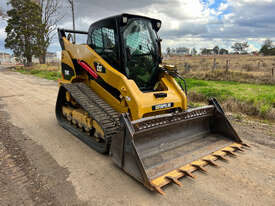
158	25
124	19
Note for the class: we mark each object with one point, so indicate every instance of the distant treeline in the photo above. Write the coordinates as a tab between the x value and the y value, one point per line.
267	49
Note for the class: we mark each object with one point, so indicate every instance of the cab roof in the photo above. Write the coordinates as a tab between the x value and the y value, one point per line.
118	19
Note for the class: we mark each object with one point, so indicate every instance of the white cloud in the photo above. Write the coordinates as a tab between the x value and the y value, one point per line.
257	2
3	33
252	48
177	13
229	16
211	2
223	6
58	54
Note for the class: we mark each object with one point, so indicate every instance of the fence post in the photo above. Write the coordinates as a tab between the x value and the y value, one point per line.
227	65
214	64
272	72
259	65
187	67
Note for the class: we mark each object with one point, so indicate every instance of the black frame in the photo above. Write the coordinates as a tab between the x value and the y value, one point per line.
62	33
119	25
119	29
107	23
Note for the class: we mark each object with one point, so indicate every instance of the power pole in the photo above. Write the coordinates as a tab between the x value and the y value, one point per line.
4	17
72	7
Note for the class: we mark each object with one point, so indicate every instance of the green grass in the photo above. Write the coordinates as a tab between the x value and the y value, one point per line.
260	96
51	75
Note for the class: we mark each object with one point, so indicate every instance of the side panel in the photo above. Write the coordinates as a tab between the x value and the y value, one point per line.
113	102
171	83
67	67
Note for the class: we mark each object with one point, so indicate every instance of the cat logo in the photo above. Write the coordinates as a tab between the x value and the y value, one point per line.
99	67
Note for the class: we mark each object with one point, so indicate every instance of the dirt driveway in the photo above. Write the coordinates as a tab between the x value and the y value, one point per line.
42	164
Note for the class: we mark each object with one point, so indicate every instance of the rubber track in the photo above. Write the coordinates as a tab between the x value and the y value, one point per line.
96	107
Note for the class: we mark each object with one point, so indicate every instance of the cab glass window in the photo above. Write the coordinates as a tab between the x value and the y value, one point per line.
103	41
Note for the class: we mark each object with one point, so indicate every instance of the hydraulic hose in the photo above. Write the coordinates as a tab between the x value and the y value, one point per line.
176	75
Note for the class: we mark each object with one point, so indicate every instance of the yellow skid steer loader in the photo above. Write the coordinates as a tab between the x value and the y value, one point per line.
117	96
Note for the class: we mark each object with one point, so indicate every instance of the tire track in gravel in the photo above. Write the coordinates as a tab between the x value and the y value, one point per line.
28	174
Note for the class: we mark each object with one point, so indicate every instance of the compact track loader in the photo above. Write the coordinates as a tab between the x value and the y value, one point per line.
117	96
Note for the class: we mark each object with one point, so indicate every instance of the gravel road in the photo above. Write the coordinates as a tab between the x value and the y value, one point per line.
42	164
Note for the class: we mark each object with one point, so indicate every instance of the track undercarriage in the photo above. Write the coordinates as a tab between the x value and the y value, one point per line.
83	113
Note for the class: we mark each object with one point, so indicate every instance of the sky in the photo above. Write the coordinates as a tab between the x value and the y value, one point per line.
185	23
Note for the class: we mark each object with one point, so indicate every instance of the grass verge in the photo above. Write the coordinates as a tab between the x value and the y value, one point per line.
51	75
251	99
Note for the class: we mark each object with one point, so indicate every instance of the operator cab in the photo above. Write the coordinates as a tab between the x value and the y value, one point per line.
130	44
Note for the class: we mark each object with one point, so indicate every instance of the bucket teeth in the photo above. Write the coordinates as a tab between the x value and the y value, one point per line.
189	174
220	157
229	152
159	190
187	170
199	168
237	148
174	180
245	145
210	162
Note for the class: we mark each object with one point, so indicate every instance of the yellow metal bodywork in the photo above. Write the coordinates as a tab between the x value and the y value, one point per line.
66	59
132	99
80	118
98	130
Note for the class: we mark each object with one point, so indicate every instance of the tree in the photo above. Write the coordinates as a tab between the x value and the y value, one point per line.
264	50
1	12
182	50
49	18
216	50
268	43
194	51
267	48
223	51
168	51
23	18
240	47
205	51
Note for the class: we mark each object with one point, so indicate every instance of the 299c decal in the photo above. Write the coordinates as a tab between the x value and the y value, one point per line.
162	106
